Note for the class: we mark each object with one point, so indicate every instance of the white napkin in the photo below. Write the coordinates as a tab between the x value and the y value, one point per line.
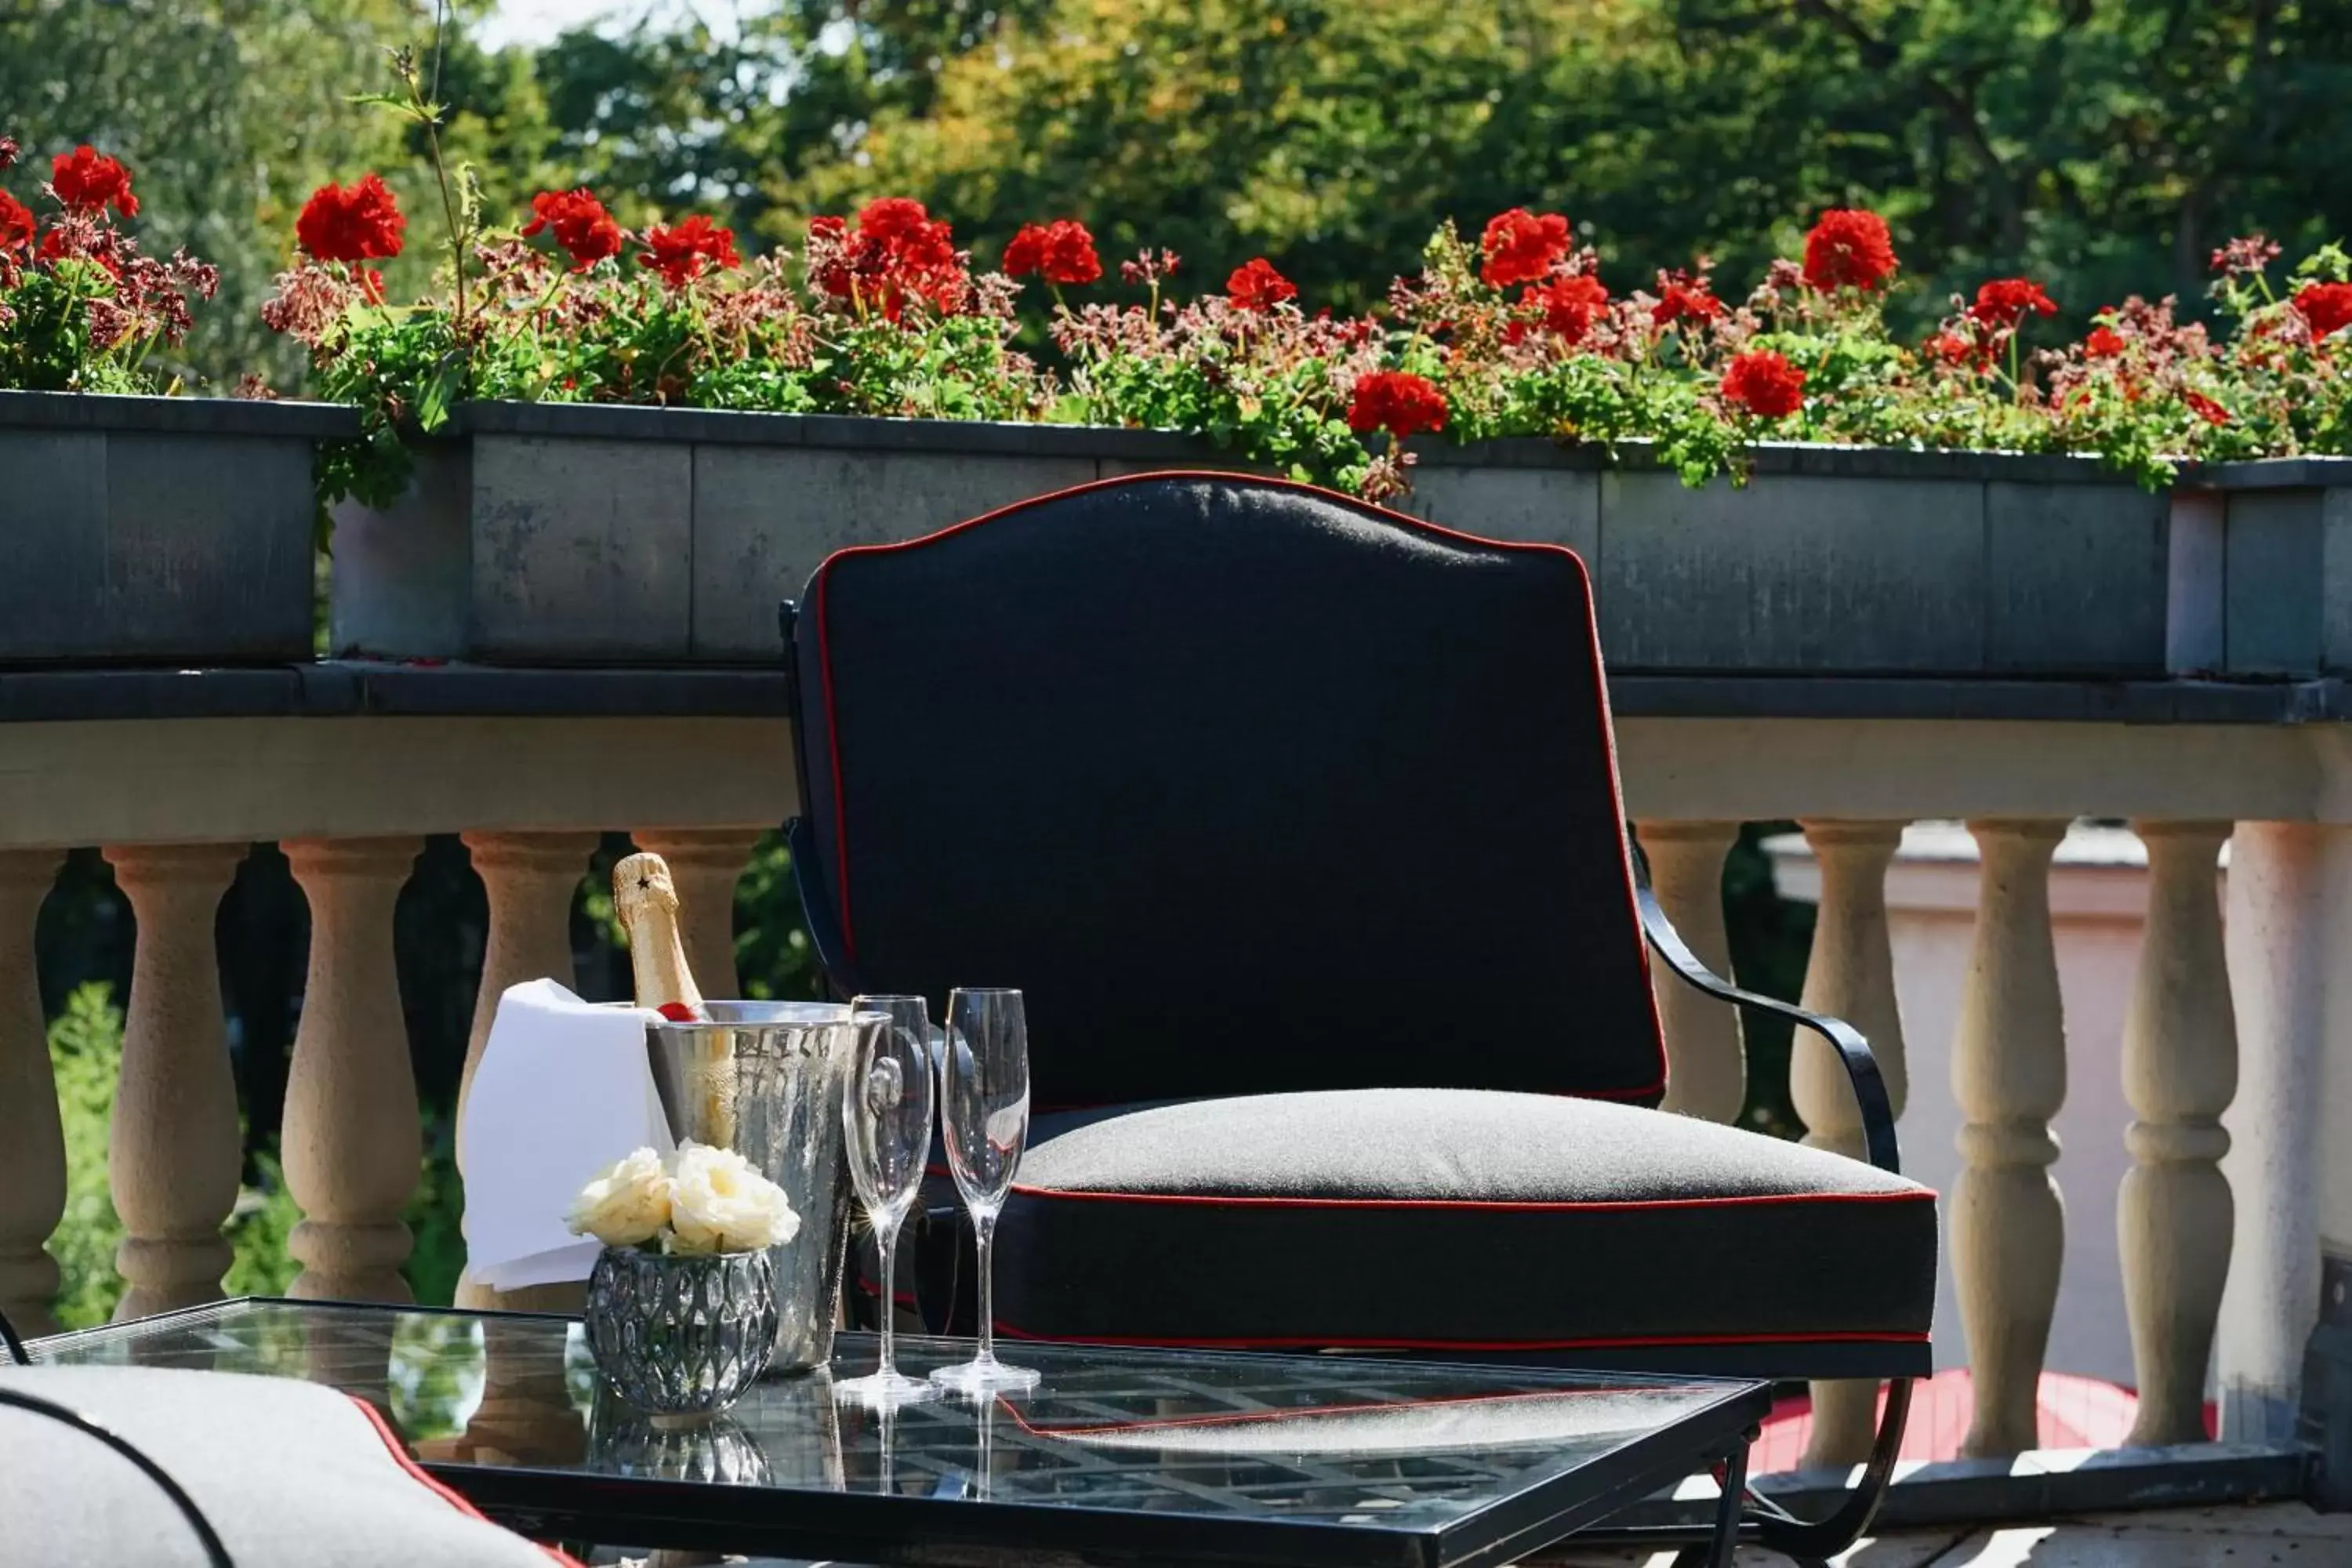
562	1091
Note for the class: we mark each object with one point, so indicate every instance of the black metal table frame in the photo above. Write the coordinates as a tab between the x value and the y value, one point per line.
551	1504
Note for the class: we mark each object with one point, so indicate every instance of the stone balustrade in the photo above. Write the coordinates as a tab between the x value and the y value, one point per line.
530	769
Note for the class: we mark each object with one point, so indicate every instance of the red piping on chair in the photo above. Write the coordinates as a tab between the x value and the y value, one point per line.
1600	687
417	1473
1502	1204
1323	1342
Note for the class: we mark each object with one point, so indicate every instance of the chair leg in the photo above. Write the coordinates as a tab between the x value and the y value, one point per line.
1810	1541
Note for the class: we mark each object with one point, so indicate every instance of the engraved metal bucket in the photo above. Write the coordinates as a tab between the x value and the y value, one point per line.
764	1078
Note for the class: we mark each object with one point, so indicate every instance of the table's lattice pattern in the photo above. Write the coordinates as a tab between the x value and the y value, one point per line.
1370	1444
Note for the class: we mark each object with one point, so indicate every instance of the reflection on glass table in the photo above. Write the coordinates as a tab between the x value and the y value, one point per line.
1115	1451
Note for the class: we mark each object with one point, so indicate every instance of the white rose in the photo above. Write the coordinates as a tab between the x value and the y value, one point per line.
720	1202
627	1204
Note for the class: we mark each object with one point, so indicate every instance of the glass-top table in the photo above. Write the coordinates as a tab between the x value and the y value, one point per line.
1141	1455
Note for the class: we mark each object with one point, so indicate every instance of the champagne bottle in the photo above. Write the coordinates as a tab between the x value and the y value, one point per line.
646	902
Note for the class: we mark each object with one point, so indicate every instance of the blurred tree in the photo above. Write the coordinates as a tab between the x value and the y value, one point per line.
227	112
1327	137
2106	145
2101	144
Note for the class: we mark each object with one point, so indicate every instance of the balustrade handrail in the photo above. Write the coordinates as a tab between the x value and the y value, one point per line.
349	688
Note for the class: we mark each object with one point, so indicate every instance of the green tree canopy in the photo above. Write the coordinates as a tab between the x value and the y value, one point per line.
228	113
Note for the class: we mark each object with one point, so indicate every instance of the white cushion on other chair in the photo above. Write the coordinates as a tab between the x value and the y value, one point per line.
289	1473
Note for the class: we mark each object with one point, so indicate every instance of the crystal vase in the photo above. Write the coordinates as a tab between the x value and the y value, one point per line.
681	1338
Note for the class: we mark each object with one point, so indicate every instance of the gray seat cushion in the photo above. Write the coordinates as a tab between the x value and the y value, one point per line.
288	1472
1455	1219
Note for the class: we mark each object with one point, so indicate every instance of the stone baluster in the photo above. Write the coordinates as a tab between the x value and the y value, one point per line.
2282	951
705	864
532	879
32	1143
2009	1075
172	1158
2180	1068
352	1143
1850	976
1706	1063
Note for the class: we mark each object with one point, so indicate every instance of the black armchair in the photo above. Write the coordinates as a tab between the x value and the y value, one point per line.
1298	823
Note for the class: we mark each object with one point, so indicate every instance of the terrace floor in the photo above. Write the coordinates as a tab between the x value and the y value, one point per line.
2258	1535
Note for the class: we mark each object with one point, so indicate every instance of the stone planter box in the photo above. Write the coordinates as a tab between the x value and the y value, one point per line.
2273	593
158	529
556	534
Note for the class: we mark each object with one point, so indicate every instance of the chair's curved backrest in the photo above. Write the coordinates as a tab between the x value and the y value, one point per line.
1248	787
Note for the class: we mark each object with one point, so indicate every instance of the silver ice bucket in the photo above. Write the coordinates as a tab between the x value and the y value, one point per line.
764	1078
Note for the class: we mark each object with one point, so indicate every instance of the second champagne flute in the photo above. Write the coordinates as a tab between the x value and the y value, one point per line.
984	1115
885	1113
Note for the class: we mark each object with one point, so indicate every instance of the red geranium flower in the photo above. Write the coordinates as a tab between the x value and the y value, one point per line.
361	224
1568	304
1256	285
897	250
2004	301
1952	348
15	224
2327	307
1396	400
2205	408
87	181
582	227
1680	296
680	251
1062	251
1025	252
1520	247
2104	342
1849	247
913	238
1765	383
893	219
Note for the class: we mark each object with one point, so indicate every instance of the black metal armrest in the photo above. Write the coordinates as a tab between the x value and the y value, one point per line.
1853	1050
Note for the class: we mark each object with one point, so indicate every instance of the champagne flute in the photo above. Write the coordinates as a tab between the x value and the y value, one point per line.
984	1110
886	1114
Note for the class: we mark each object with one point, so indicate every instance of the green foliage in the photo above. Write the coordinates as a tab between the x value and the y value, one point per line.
227	112
772	954
45	339
86	1055
434	1217
264	1217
